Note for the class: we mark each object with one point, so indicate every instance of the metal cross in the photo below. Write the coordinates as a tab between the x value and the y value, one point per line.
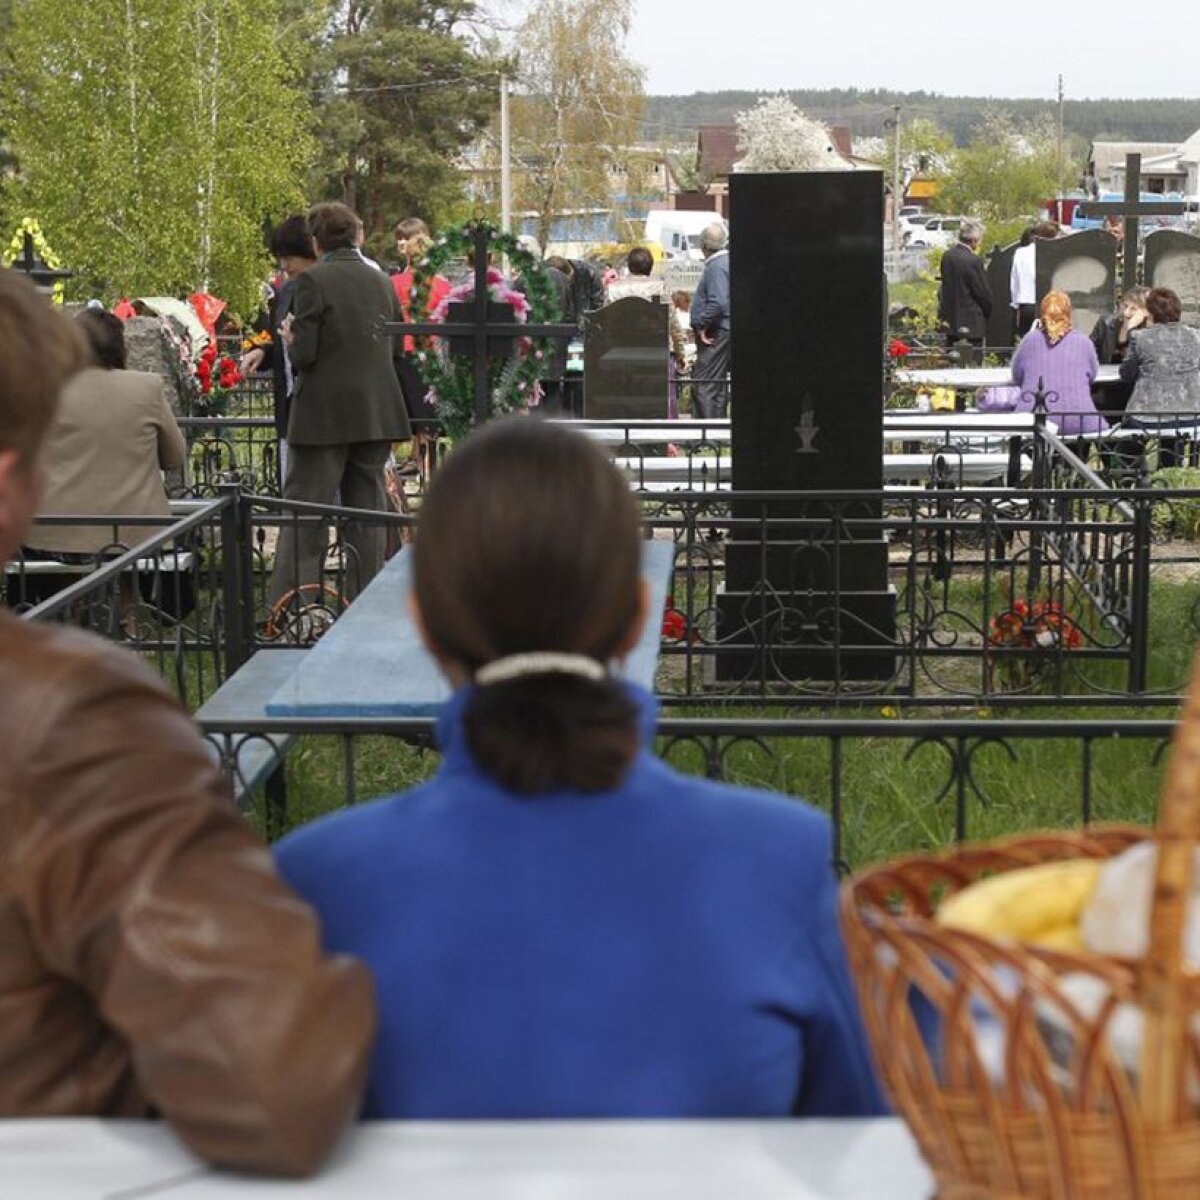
27	261
479	328
1130	209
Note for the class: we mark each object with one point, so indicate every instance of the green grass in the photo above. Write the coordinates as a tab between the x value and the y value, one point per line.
894	797
892	792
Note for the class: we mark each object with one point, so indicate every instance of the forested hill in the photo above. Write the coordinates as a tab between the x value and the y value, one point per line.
673	118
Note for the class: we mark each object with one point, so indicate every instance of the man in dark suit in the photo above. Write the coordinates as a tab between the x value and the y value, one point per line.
347	408
965	297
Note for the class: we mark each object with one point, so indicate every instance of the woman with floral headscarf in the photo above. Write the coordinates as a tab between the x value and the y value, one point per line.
1060	361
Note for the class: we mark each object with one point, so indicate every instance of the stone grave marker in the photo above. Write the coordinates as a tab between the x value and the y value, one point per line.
999	274
807	415
1173	261
147	349
626	360
1131	210
1084	265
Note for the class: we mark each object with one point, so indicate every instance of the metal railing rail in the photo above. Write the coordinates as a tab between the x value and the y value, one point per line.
114	568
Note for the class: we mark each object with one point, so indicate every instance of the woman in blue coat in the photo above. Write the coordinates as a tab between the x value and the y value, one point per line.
559	924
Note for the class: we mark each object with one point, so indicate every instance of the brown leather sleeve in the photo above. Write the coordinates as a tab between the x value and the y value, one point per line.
143	885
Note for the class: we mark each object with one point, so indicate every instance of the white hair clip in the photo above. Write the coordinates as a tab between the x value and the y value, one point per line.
541	662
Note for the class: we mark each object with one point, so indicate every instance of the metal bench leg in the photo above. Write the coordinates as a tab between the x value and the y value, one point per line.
275	808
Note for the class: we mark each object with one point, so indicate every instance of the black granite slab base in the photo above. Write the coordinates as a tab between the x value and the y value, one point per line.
777	638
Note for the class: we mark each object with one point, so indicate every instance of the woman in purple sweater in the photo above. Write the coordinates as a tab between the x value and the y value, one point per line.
1064	361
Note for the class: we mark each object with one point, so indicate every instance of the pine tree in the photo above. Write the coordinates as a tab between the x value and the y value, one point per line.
406	86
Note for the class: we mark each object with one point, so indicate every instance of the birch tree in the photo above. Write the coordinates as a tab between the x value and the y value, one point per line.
152	140
579	105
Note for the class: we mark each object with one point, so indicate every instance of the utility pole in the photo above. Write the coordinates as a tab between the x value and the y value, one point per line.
505	159
897	182
1059	176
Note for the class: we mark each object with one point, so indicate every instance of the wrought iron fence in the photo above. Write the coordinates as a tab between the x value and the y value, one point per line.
972	596
164	591
957	777
1001	597
924	597
192	598
232	439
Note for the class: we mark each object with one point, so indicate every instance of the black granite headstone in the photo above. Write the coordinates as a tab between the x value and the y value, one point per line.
1173	261
1084	265
626	360
806	260
999	273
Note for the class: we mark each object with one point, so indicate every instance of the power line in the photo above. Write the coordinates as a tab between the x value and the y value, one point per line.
424	85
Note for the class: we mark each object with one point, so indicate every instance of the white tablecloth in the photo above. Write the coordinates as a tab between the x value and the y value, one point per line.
578	1160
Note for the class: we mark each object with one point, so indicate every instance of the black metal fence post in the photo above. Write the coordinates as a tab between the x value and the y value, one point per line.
236	578
1038	509
1139	608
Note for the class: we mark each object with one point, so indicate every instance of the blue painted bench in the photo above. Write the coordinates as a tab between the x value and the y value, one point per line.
252	762
372	663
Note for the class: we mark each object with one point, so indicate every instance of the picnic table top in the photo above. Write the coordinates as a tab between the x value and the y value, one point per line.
978	376
90	1158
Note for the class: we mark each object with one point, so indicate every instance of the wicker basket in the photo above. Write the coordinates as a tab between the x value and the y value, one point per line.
1012	1089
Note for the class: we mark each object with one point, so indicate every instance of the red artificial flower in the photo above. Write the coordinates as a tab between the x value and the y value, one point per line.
898	349
674	625
209	354
228	373
1044	624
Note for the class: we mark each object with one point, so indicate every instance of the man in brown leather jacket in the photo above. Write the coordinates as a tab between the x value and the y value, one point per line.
150	957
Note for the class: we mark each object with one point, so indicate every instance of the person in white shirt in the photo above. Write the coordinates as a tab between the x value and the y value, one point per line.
1022	280
360	239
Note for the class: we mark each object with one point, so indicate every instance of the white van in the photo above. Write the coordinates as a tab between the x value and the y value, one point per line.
678	233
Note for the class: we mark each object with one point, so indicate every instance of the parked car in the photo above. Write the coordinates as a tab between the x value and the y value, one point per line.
937	231
912	219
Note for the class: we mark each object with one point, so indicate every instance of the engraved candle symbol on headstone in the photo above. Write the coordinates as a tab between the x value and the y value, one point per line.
807	430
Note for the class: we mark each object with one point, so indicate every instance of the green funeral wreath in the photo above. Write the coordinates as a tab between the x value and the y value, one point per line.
512	379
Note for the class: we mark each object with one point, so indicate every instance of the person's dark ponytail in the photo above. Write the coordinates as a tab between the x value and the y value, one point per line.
529	542
548	732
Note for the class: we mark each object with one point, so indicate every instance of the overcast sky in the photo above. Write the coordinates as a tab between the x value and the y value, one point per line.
1000	49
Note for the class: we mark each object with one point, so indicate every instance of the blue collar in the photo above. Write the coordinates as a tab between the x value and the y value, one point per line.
452	742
